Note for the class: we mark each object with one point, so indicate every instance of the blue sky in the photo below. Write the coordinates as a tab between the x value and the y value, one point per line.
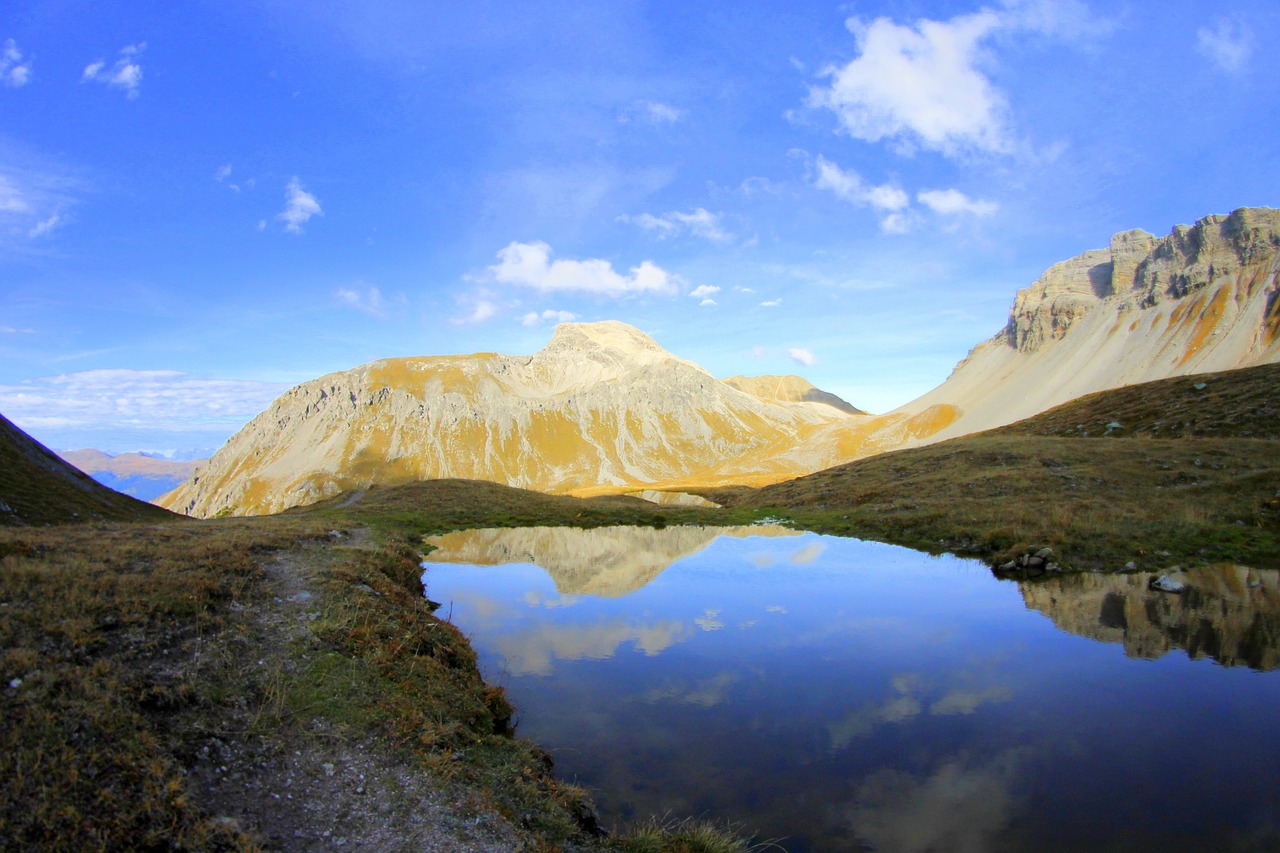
202	203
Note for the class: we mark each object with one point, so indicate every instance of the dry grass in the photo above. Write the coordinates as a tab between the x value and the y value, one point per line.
1181	471
105	641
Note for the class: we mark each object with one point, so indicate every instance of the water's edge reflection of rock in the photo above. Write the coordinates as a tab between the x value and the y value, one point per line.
1229	613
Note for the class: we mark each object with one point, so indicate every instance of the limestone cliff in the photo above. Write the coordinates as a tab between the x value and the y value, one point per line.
1205	298
602	405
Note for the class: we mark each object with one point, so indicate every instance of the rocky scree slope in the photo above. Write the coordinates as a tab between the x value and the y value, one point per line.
601	405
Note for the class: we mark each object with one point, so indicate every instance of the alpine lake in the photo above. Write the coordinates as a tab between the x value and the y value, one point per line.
834	694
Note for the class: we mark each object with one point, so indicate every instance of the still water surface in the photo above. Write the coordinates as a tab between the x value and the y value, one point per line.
849	695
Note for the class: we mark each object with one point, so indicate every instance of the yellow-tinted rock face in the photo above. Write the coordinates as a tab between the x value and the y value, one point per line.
601	405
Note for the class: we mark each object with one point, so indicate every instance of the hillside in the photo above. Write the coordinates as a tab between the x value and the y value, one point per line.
37	487
601	406
1205	298
134	474
1177	472
789	389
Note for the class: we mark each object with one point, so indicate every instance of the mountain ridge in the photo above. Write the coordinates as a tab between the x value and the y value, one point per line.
602	407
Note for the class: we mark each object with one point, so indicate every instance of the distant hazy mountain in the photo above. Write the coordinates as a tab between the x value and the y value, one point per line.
603	407
142	475
789	389
37	487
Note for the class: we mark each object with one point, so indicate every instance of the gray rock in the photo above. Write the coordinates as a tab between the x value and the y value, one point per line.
1164	583
1044	553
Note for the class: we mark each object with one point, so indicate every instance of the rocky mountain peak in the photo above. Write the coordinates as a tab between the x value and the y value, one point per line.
1141	269
608	338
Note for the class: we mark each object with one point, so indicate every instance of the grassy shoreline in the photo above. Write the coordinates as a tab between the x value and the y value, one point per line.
164	682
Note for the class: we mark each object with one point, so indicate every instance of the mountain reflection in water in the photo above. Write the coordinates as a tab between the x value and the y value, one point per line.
847	695
1228	613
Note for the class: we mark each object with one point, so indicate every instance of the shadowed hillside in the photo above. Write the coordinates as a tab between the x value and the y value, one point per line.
37	487
1175	472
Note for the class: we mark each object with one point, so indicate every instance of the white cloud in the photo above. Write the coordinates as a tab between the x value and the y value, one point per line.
34	200
758	351
15	72
951	202
482	308
847	185
1228	44
919	84
702	291
530	265
771	303
533	319
369	301
44	226
299	206
699	222
146	399
800	355
10	330
707	302
125	74
223	173
651	112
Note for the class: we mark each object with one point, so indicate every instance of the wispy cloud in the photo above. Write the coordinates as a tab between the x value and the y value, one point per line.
698	222
478	308
802	355
15	70
771	303
34	199
890	200
125	74
368	300
1228	44
140	399
952	202
533	319
299	207
44	226
530	265
651	112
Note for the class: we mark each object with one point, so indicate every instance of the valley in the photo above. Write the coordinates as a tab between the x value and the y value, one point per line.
254	663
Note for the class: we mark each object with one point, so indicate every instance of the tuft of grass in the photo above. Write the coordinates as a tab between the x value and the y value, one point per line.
687	836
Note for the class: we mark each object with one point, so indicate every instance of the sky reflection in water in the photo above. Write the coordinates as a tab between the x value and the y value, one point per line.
846	694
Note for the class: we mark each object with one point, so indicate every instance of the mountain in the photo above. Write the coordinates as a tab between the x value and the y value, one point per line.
601	407
37	487
605	561
1205	298
788	389
144	476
